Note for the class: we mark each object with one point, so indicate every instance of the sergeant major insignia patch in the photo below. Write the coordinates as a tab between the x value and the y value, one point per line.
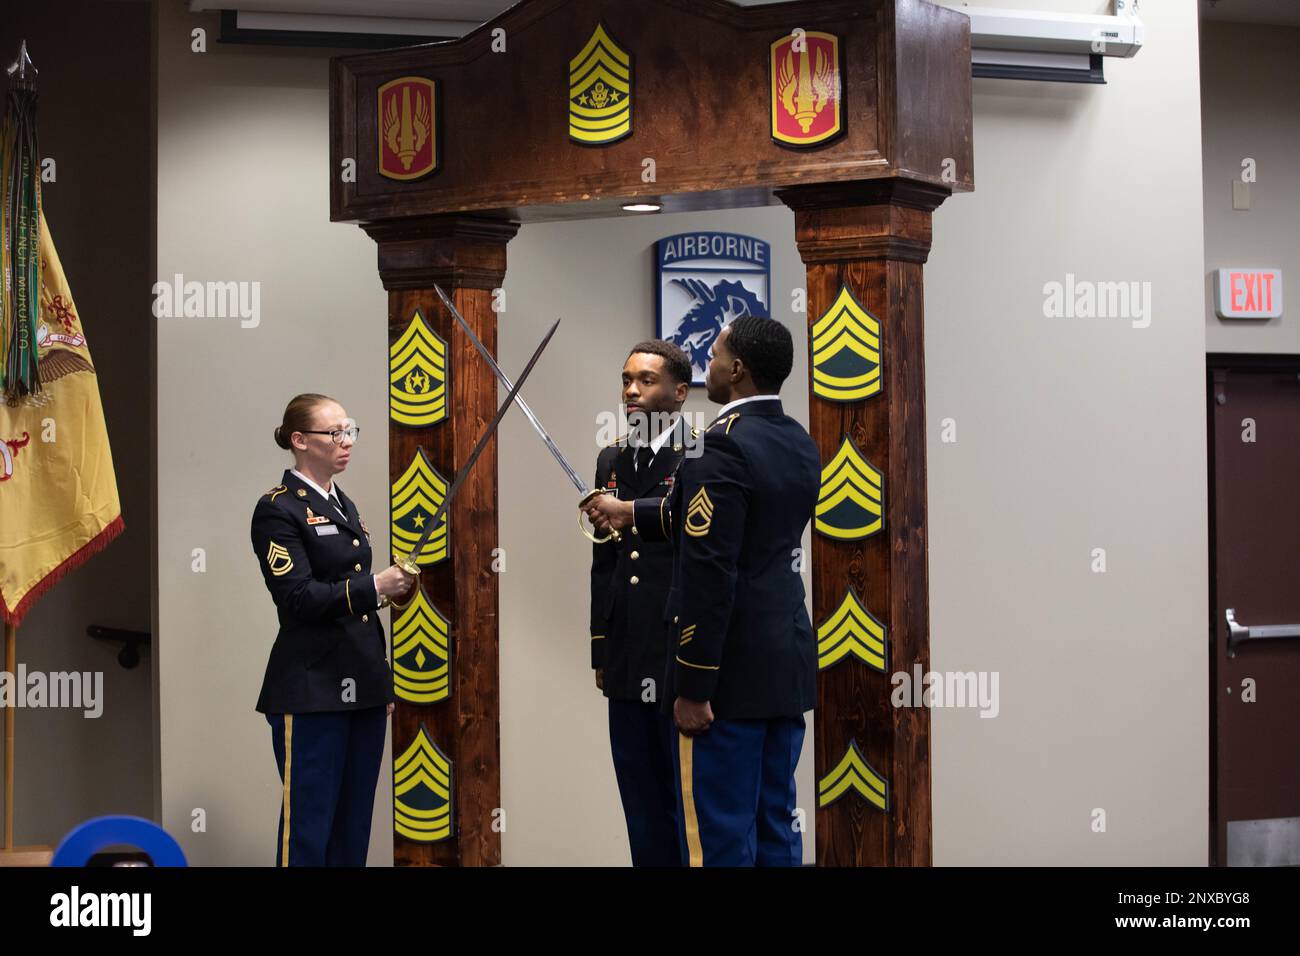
416	495
422	791
417	376
600	92
421	654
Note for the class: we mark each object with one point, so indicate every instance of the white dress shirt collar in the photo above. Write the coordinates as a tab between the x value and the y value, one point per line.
324	493
656	443
730	407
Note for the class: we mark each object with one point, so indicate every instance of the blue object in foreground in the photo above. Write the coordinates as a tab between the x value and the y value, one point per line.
90	837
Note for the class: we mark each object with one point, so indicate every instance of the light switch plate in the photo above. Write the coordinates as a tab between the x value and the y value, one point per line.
1240	194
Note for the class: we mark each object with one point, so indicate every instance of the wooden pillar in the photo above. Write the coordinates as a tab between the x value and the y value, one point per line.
872	239
466	256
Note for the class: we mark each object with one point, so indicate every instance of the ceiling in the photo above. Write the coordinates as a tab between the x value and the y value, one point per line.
476	11
1277	12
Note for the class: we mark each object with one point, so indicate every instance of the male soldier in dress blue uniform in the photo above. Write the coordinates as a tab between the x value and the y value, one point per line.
744	663
629	587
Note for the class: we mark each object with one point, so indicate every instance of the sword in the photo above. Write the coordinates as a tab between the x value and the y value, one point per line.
583	488
410	563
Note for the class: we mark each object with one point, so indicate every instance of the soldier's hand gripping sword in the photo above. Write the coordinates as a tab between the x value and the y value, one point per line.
410	563
583	489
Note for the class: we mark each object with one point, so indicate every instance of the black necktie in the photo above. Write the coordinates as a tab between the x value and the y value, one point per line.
644	455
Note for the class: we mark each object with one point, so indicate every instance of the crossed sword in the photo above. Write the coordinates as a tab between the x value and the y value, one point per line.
410	563
584	489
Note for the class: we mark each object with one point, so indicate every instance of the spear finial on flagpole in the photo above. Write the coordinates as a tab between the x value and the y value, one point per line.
23	65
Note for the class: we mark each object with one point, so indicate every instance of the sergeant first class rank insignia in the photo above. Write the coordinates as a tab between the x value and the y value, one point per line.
408	128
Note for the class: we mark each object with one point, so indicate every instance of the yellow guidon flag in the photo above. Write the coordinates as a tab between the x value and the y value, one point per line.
58	492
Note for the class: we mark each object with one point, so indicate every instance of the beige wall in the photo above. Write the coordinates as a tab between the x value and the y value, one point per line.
1073	434
1248	109
242	162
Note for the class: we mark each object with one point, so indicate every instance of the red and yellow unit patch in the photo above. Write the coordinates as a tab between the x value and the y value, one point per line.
807	89
408	127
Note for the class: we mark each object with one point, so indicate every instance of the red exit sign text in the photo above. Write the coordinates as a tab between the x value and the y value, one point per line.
1248	293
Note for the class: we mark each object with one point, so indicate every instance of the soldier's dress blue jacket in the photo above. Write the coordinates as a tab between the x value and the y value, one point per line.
328	681
741	635
629	640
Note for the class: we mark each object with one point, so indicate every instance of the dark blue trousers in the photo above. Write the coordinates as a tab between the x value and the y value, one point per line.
641	741
329	765
736	793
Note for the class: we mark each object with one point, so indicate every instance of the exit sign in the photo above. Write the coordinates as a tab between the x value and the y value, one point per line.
1248	293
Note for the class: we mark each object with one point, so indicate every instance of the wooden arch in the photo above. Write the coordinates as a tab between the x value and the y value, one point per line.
440	152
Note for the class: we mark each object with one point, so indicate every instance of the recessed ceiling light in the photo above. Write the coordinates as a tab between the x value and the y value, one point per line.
641	207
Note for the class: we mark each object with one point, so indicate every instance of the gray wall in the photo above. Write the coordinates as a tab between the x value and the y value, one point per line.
242	197
1072	434
1248	109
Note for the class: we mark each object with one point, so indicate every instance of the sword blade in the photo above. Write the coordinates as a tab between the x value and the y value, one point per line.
583	488
414	557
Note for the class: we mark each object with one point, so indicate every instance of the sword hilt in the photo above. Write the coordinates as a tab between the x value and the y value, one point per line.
590	496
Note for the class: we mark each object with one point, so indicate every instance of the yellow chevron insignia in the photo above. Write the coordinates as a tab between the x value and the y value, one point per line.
699	514
422	791
851	631
688	634
421	653
600	92
278	560
853	773
846	351
851	504
417	376
415	497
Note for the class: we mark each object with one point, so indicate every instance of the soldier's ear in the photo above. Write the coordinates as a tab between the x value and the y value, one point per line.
682	390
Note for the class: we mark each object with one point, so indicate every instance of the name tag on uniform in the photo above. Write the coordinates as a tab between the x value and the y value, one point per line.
328	529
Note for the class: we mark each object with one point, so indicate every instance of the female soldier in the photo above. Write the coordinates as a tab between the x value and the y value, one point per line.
328	687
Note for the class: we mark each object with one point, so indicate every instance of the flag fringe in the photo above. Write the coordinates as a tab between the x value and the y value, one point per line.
83	554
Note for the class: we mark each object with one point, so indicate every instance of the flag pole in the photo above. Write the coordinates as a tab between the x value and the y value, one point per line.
11	666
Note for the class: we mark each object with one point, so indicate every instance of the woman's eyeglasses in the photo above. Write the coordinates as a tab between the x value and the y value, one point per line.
338	434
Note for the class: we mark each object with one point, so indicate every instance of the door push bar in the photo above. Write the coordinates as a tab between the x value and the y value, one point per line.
1239	633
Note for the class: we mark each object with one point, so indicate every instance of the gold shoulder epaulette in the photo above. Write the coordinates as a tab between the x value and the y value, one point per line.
728	420
277	490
